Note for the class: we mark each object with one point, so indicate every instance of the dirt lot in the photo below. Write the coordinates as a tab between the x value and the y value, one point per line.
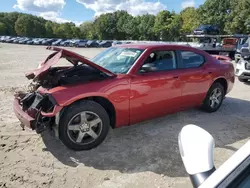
143	155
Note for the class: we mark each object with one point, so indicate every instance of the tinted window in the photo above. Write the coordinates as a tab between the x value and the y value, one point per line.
239	177
162	60
245	183
191	59
241	181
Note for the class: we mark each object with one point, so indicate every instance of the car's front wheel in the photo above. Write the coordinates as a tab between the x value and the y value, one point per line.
84	125
214	98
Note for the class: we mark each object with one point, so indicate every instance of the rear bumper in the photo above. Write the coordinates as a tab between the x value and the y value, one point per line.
25	119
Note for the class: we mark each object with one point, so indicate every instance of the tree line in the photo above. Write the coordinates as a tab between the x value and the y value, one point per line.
231	16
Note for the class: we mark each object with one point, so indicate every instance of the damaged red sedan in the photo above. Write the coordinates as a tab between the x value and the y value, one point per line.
122	85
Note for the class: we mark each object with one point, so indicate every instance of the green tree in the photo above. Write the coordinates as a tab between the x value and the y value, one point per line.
29	26
131	29
49	29
105	26
190	20
146	27
174	28
3	29
167	25
122	21
88	30
239	17
215	12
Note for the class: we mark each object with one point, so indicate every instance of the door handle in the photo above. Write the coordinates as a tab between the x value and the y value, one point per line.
175	77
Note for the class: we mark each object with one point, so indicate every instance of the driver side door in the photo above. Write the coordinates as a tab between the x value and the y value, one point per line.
158	92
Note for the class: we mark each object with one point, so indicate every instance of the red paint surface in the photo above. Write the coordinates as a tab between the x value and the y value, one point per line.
137	97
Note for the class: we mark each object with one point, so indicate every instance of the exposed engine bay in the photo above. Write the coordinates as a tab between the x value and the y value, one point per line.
59	76
45	77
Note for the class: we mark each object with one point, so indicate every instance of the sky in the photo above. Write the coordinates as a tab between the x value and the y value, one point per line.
78	11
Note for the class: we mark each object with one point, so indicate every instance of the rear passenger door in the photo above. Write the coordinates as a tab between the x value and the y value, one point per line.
195	80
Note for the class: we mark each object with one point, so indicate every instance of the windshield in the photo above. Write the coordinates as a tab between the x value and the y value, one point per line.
117	60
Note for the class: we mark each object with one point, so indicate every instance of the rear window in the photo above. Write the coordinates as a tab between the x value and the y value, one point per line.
191	59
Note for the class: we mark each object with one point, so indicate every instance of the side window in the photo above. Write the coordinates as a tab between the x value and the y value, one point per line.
159	61
191	59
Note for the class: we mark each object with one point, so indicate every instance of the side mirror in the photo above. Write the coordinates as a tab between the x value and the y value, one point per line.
148	67
197	149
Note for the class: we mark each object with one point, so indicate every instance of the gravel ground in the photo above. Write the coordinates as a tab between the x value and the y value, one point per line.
143	155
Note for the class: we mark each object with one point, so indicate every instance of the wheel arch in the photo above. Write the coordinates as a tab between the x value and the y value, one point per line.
223	82
103	101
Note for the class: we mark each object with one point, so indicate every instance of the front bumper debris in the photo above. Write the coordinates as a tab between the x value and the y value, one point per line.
36	110
25	119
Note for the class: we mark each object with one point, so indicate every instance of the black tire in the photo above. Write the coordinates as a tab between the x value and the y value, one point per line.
66	119
207	104
242	80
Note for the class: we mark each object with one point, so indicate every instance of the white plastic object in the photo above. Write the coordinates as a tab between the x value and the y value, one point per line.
197	149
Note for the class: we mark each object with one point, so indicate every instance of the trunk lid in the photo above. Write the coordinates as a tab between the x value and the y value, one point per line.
53	59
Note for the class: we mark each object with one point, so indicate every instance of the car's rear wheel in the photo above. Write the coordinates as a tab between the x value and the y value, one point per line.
214	98
84	125
242	80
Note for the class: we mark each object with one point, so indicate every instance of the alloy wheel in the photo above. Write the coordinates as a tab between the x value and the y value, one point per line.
84	128
215	98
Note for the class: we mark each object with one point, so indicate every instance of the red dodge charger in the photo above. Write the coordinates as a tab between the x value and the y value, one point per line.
122	85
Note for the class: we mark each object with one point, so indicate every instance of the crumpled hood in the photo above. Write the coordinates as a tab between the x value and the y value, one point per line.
54	58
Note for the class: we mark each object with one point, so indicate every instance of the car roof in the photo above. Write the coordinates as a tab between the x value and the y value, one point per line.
153	45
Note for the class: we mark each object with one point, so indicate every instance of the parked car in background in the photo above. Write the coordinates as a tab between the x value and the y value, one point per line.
57	42
82	101
127	42
243	65
99	41
196	147
105	44
38	41
10	40
4	38
243	44
30	42
92	43
80	43
116	43
65	42
73	42
207	29
17	39
48	41
24	40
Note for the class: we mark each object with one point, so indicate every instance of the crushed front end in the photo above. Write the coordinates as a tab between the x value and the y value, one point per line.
36	110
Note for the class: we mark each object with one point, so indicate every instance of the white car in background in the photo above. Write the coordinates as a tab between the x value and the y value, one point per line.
80	43
197	148
243	66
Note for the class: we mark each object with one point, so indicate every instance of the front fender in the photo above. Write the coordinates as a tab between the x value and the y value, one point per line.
68	100
116	90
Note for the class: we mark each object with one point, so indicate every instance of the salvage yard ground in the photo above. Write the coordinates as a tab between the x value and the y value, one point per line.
144	155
